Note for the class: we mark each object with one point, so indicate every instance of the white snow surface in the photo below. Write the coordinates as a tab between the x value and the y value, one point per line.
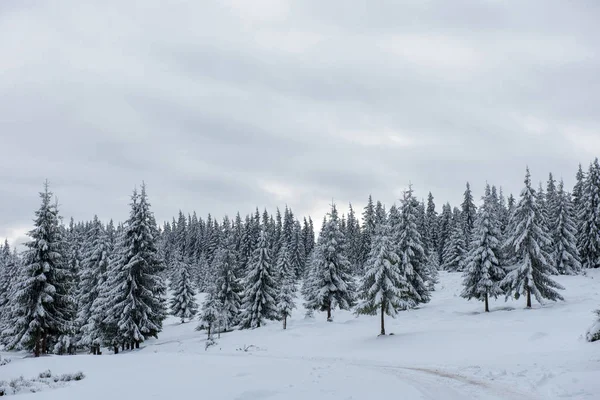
447	349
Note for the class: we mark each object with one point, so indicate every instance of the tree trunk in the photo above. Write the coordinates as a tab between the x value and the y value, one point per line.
44	343
487	305
528	298
122	346
209	331
285	322
329	311
382	319
36	351
137	344
116	349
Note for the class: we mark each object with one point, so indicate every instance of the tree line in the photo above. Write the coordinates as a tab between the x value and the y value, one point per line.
91	285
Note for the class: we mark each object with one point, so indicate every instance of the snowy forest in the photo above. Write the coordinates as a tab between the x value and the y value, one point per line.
84	286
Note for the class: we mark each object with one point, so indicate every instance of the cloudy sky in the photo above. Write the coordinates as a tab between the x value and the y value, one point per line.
225	105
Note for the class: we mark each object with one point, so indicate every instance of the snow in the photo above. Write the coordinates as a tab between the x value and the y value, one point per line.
446	349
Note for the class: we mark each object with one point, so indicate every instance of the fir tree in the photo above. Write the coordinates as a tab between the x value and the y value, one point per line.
455	252
528	241
183	303
287	288
259	300
564	233
469	213
369	221
227	285
410	249
92	276
331	281
483	273
444	229
385	288
431	220
137	292
42	307
210	316
589	219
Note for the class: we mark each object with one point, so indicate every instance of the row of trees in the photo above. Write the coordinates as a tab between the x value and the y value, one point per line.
92	285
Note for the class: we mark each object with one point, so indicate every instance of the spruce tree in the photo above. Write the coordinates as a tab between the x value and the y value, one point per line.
332	282
469	213
528	240
369	220
410	249
444	230
259	299
42	309
431	220
589	219
137	306
287	287
565	234
210	315
183	303
92	277
228	288
456	249
385	288
484	273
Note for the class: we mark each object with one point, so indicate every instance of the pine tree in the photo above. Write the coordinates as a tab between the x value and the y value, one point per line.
354	240
42	308
589	219
456	249
227	285
484	273
469	213
385	288
444	229
332	282
259	299
137	292
183	303
564	234
287	288
369	220
431	219
411	252
528	241
210	316
93	273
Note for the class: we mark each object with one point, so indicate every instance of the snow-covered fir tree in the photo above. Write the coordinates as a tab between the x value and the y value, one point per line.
385	288
410	249
93	272
484	273
260	295
42	308
528	240
565	234
210	315
183	301
369	220
469	214
228	288
331	280
286	284
589	219
431	226
136	291
456	248
444	229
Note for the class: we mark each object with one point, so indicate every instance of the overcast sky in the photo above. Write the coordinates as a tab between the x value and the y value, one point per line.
225	105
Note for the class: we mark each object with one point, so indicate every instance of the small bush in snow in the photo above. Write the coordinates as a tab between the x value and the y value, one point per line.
593	334
44	380
45	374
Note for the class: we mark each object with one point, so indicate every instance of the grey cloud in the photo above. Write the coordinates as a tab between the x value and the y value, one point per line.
222	106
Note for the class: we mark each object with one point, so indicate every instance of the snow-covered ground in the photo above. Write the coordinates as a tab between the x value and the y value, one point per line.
447	349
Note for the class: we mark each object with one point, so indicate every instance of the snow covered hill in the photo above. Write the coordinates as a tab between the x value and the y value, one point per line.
447	349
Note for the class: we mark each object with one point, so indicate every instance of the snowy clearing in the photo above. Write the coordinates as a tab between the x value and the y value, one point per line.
447	349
